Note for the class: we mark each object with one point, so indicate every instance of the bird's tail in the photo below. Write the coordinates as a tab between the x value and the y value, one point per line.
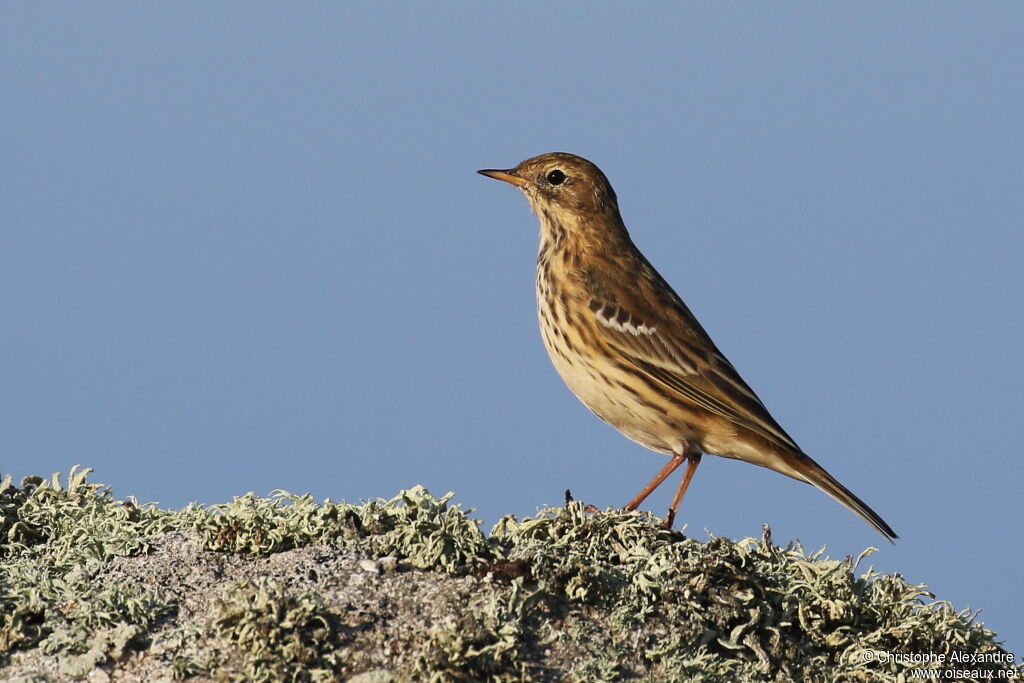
804	468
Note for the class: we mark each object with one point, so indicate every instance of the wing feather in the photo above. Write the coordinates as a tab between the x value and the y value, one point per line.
688	365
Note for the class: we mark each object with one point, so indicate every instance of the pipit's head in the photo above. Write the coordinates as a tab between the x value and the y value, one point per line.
562	187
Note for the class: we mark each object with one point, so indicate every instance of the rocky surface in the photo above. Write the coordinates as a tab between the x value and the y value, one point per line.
286	589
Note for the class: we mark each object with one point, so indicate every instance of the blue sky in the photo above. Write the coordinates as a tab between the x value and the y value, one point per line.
246	249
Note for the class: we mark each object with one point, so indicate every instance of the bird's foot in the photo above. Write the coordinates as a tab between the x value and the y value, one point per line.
669	520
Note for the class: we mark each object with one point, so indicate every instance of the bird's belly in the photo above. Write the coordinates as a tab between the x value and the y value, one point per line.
597	387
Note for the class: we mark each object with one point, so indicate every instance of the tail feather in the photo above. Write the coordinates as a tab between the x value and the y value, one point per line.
804	468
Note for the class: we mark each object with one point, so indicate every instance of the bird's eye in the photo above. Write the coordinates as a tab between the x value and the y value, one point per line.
555	177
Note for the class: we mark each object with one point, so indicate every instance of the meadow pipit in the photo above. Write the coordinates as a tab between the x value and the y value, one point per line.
630	349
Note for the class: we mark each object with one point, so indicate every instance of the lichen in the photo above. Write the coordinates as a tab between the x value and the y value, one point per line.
279	635
285	588
57	536
415	526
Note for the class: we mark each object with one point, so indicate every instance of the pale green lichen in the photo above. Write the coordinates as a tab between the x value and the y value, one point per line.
484	643
724	611
56	537
414	526
567	595
279	635
75	524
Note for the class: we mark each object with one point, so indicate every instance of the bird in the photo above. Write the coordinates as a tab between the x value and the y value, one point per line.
630	349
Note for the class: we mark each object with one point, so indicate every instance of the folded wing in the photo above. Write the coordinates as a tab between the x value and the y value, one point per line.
677	353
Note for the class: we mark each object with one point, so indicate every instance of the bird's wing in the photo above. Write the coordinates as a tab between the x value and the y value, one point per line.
675	351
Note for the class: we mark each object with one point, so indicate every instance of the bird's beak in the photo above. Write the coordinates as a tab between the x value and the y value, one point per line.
508	176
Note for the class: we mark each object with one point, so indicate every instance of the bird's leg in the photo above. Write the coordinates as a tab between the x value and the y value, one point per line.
692	460
668	469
